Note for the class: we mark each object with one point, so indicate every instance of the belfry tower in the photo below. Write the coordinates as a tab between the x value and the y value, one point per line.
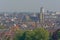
41	15
41	21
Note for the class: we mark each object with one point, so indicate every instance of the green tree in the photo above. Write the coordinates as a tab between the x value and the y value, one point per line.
58	35
41	34
29	35
37	34
18	34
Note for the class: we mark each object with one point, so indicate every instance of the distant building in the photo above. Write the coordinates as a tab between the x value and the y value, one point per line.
41	16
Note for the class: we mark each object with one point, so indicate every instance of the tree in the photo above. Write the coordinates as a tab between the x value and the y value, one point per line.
29	35
58	35
41	34
18	34
37	34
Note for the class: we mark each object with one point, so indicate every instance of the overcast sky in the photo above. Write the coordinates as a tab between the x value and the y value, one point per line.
29	5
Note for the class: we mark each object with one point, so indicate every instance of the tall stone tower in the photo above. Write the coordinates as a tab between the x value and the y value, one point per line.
41	16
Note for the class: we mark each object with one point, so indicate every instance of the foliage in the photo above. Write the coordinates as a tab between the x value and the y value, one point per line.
29	35
41	34
58	35
18	34
37	34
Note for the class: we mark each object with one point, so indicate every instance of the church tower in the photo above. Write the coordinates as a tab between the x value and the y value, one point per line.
41	14
41	18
